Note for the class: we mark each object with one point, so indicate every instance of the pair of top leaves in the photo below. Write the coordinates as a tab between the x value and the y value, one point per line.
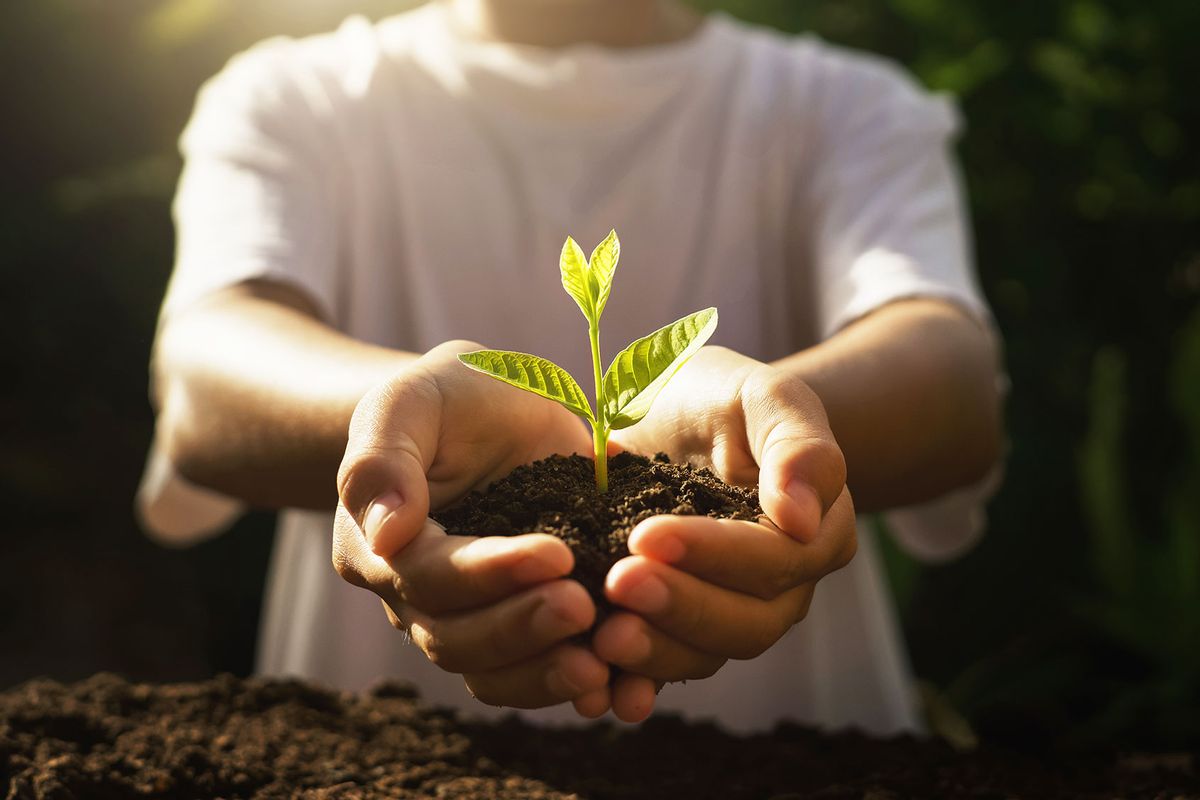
637	374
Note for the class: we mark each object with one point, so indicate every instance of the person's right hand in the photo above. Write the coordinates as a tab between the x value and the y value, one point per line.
497	609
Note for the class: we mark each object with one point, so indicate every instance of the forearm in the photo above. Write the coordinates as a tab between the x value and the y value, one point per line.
910	391
255	395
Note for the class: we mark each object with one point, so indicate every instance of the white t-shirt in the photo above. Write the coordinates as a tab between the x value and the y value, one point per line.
419	184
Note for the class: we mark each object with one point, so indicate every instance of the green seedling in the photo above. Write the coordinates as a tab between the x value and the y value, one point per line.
634	378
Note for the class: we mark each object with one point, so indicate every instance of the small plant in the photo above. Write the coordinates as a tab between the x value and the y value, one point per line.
635	377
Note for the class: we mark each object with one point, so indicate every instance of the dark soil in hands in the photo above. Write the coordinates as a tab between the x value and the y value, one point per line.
106	738
558	495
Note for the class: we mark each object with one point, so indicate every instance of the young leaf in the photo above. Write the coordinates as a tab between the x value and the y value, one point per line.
533	374
640	371
575	278
602	265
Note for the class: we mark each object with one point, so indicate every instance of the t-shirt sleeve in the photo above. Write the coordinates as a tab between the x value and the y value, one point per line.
257	196
889	218
256	200
890	223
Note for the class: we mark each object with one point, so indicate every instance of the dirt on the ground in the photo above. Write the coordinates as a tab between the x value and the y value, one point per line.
558	495
107	738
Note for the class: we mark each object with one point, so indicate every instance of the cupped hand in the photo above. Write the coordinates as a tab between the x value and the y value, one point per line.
700	591
497	610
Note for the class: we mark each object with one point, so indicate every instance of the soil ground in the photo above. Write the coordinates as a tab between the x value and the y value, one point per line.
558	495
107	738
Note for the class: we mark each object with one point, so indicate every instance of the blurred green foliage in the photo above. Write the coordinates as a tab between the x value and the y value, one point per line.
1077	620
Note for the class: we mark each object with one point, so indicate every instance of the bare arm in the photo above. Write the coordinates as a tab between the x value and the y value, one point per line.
910	391
255	394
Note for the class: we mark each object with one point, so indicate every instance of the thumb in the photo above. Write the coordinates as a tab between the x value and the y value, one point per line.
801	467
382	480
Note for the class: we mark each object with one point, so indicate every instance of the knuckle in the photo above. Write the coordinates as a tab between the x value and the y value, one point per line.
772	391
402	590
776	386
452	347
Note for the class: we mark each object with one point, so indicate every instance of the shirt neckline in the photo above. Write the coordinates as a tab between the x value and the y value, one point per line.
589	55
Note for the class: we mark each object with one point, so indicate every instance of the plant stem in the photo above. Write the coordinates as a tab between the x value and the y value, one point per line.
600	439
600	429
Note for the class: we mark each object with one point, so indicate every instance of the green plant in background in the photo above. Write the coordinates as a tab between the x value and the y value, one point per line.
1149	580
635	377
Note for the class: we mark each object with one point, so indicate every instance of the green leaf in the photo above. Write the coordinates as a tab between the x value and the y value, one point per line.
641	370
575	278
602	265
533	374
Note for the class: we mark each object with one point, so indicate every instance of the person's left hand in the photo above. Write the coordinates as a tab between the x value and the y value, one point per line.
704	590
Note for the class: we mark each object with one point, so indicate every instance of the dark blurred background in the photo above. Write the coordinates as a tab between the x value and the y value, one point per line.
1076	622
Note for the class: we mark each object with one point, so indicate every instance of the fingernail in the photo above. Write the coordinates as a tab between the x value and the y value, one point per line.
649	595
806	497
378	512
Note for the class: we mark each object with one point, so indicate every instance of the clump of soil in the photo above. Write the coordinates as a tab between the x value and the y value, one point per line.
106	738
558	495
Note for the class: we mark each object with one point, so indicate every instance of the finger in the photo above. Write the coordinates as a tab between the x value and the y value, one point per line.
354	561
633	697
749	557
564	673
381	481
707	617
439	573
395	621
629	642
840	530
593	705
801	468
511	631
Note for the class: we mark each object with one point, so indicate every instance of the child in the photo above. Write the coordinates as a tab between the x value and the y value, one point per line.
352	200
